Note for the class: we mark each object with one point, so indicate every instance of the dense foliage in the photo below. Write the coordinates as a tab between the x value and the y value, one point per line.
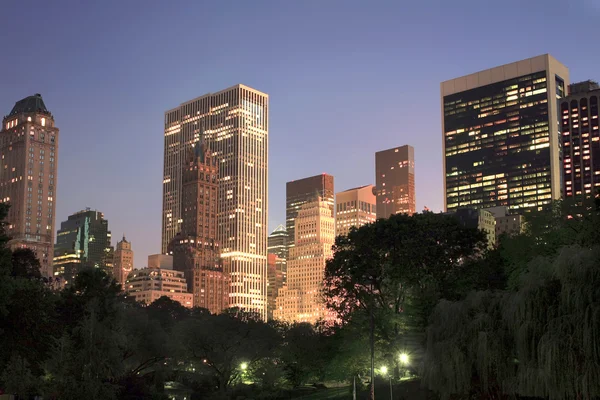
521	320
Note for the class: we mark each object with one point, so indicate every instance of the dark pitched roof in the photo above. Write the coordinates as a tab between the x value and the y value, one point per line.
30	104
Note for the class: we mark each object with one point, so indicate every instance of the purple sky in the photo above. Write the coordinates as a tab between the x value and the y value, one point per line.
345	78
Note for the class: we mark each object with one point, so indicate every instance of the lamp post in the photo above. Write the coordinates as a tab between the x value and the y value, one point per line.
384	371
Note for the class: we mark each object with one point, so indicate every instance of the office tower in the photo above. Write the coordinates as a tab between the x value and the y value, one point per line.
300	192
149	284
83	241
29	149
301	300
122	261
195	249
354	208
162	261
276	273
500	136
234	126
580	141
277	242
480	219
395	181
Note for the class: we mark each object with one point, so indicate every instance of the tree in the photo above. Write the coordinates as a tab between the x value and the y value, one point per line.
303	353
18	378
25	264
167	312
397	269
225	345
540	340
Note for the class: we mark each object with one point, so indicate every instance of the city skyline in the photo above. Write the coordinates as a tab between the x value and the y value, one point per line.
75	89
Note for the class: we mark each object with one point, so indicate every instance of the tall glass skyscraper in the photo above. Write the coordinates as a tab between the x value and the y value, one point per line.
234	124
500	136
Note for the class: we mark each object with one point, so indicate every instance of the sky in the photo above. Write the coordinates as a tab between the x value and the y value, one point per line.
345	78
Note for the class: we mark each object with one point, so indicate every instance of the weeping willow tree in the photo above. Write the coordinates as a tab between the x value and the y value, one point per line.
542	340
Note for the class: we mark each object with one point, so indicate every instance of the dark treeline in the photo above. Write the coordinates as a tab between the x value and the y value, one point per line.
518	321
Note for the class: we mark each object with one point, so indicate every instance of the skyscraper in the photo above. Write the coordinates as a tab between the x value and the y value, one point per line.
580	140
301	299
29	149
196	248
234	124
83	241
500	136
354	208
276	280
302	191
395	181
277	242
122	261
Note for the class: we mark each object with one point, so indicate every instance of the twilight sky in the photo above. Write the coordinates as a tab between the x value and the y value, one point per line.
346	78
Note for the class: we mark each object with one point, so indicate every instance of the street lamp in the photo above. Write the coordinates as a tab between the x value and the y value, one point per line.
384	371
404	359
244	366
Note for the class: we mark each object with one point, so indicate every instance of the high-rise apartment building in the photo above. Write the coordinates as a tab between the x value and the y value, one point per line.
500	136
150	284
301	300
234	126
507	224
302	191
196	248
395	181
354	208
29	150
580	141
277	242
122	261
83	241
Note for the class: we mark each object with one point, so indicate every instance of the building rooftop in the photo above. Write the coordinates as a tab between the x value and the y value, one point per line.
583	87
279	229
30	104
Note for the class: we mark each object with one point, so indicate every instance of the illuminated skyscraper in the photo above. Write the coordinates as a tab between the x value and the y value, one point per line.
301	299
395	181
501	137
29	149
196	248
580	140
234	123
354	208
302	191
83	241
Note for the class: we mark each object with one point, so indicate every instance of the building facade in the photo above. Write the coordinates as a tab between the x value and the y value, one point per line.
500	136
83	241
276	272
480	219
395	181
580	141
122	261
507	224
149	284
354	208
29	150
234	125
195	249
162	261
302	191
300	300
